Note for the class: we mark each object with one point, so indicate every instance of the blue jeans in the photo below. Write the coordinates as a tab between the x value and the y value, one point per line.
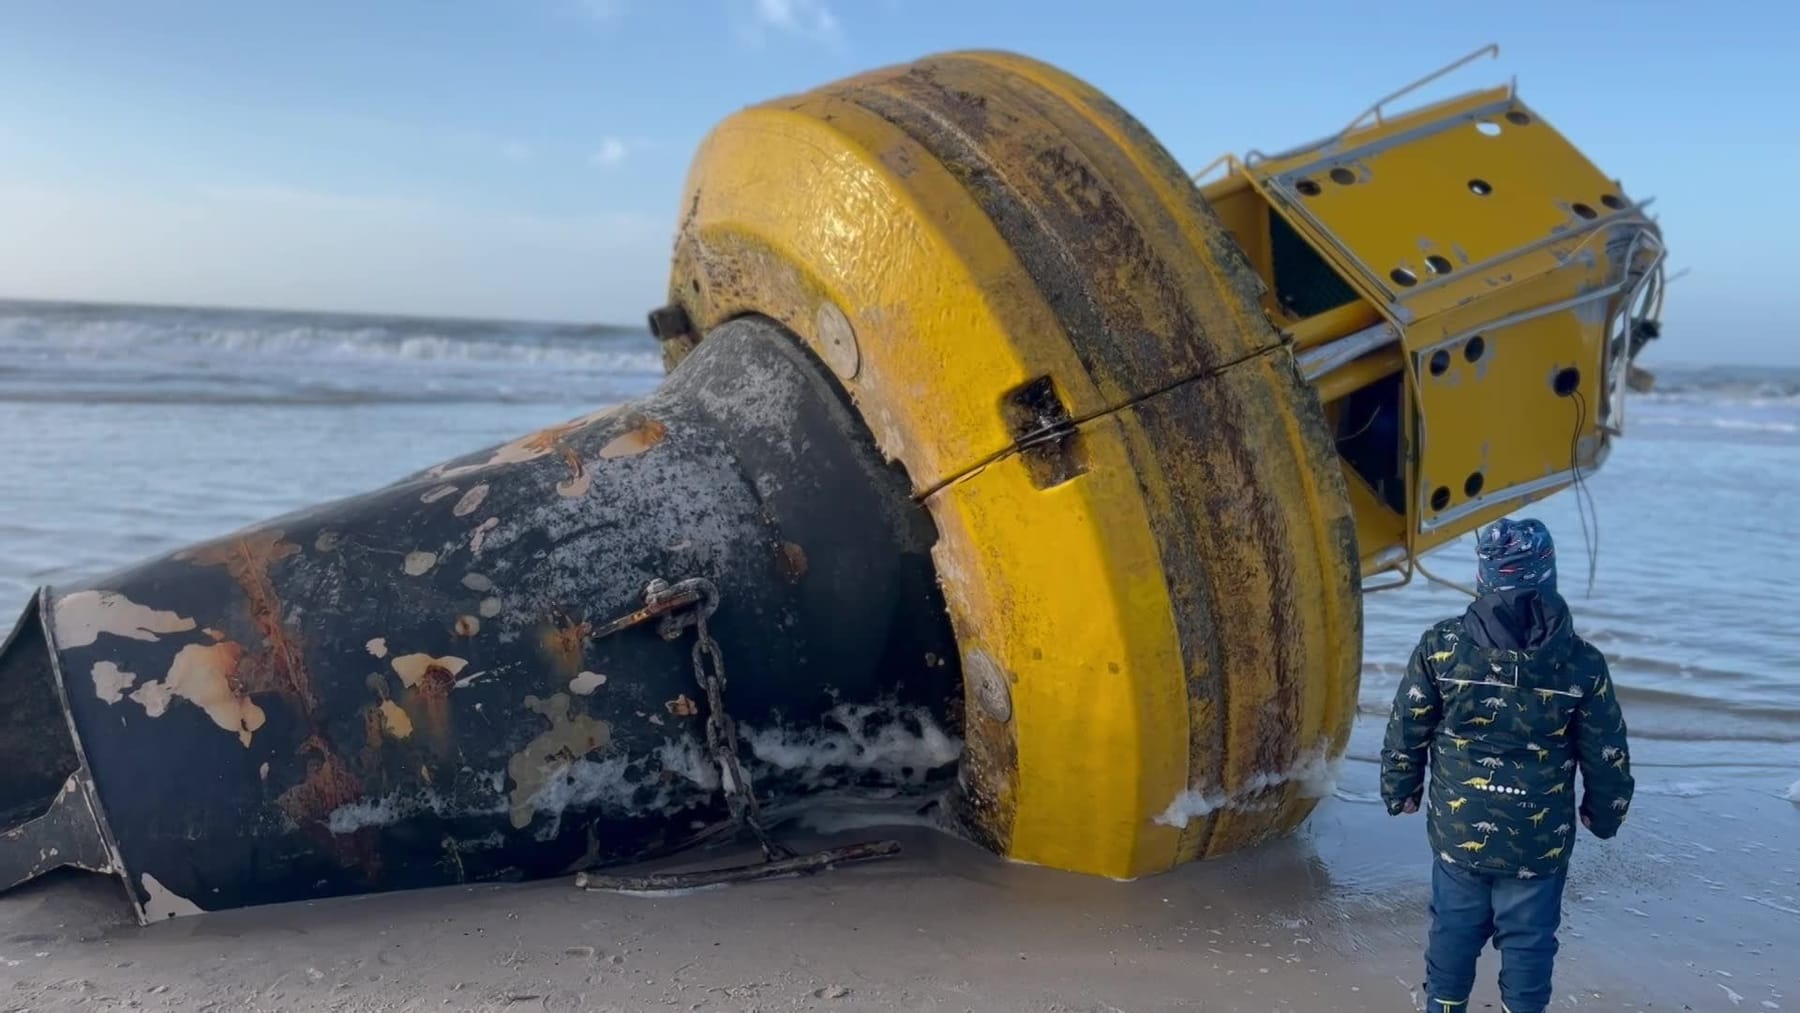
1520	915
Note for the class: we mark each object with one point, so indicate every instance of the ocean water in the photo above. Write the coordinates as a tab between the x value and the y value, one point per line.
130	431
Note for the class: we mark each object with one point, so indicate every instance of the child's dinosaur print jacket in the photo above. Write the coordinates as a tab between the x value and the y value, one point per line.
1505	729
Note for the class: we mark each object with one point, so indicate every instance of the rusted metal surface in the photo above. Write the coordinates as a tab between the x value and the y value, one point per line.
421	685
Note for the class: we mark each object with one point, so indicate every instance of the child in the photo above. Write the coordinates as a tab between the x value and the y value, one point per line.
1507	702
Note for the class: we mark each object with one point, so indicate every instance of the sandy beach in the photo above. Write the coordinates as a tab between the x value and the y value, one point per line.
1331	919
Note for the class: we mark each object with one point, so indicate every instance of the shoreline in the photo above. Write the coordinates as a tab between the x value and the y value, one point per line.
1687	908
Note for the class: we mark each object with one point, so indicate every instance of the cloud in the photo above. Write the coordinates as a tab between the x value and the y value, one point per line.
295	247
811	20
515	151
612	151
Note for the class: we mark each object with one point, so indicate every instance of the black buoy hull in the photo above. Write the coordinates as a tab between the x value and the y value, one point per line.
414	687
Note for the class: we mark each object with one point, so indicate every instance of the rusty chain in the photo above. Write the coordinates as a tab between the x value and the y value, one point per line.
690	603
676	607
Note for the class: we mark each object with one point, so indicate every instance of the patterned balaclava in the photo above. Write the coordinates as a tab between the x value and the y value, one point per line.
1515	556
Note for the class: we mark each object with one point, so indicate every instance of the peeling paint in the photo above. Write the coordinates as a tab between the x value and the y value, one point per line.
413	668
377	647
470	501
526	448
489	608
419	563
479	535
636	440
441	492
326	542
429	682
110	683
163	902
586	683
682	706
570	737
580	480
263	772
80	618
281	667
466	626
477	582
394	720
205	675
154	697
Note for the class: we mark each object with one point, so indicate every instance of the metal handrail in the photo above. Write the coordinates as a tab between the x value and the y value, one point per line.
1255	156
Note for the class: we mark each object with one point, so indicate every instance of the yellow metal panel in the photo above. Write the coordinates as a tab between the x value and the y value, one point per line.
1465	386
1472	197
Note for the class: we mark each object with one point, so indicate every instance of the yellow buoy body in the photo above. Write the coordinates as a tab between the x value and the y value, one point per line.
1145	541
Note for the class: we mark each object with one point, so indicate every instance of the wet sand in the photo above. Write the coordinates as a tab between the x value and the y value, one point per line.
1695	907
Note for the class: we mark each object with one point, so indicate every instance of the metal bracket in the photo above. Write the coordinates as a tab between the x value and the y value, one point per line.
65	835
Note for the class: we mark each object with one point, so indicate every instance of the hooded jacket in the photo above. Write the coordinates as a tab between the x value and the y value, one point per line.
1502	706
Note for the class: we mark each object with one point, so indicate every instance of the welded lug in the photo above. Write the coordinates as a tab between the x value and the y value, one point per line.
403	688
668	323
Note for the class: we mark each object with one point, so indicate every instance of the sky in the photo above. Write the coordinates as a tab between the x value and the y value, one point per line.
524	159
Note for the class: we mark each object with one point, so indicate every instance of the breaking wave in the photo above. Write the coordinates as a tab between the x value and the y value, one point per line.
1758	384
70	352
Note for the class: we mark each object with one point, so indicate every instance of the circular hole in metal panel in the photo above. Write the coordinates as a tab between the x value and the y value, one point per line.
1342	176
1439	264
1480	187
1403	277
1488	128
1440	497
1567	381
1440	362
1472	485
1475	349
1584	211
1613	201
1518	118
1308	188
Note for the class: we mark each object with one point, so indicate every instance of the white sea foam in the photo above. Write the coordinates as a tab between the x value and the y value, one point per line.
903	745
1315	774
397	806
